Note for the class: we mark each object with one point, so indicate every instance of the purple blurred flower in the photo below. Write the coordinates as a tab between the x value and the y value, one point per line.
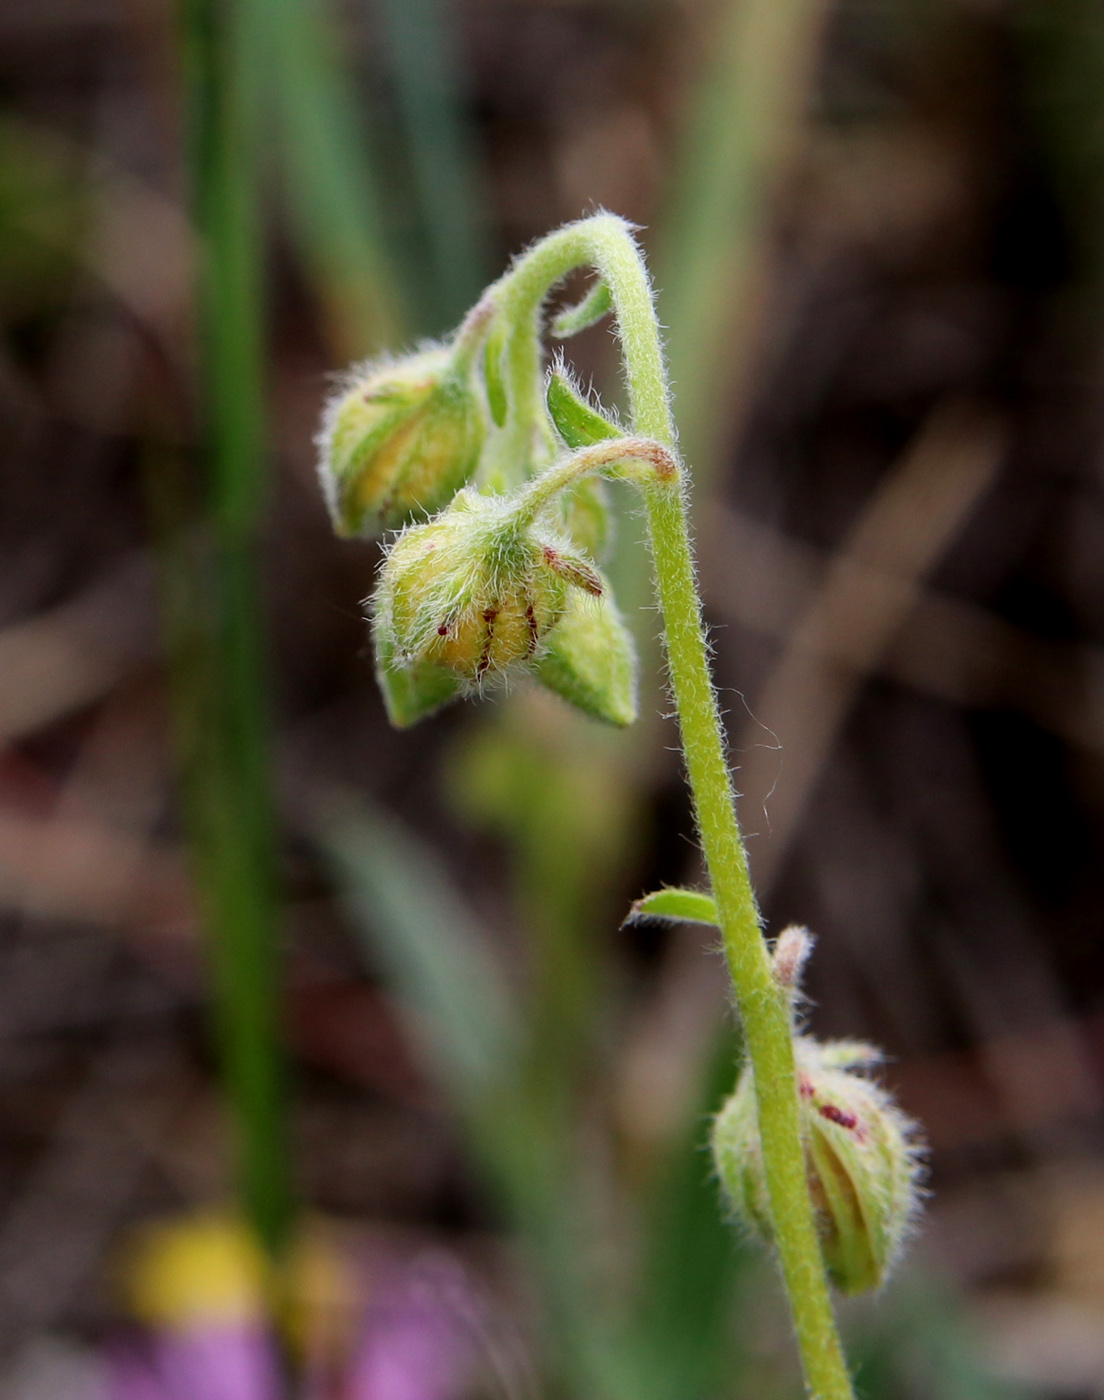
205	1361
413	1344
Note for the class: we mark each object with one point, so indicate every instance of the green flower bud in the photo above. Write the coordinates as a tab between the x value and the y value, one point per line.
473	591
590	660
861	1155
400	438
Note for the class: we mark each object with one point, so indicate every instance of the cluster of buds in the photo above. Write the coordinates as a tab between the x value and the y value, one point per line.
861	1152
475	584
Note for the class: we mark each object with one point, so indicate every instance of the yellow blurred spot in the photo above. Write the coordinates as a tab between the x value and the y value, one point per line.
209	1270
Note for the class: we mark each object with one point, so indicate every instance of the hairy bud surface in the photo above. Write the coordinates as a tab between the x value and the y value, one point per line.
473	591
861	1155
399	439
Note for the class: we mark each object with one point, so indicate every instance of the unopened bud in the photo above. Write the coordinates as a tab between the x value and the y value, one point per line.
590	661
861	1155
398	439
473	591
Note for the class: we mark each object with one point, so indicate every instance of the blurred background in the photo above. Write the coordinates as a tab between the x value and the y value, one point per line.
464	1104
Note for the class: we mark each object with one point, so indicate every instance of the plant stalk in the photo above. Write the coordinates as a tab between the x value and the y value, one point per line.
219	691
606	243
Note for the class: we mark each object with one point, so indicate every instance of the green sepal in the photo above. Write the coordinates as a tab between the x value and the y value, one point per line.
412	693
589	659
675	906
856	1244
417	693
597	304
577	423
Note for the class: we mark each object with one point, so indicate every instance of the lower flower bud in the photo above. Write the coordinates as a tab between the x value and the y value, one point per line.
861	1154
473	592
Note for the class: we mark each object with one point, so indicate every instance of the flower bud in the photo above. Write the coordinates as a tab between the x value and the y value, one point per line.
589	659
473	591
861	1155
400	438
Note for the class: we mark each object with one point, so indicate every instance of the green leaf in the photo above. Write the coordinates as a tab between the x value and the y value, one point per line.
597	303
675	906
575	421
420	932
696	1272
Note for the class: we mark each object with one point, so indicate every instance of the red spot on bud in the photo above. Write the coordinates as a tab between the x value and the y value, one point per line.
805	1087
837	1115
443	630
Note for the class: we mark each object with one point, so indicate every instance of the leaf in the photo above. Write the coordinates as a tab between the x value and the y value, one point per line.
576	422
597	304
675	906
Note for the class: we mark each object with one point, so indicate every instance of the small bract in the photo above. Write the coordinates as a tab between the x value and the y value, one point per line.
399	440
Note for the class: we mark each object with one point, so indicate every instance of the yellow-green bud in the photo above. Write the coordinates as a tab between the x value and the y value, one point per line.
861	1155
473	591
589	659
398	439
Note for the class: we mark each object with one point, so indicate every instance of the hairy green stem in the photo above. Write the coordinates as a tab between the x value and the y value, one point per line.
643	460
606	243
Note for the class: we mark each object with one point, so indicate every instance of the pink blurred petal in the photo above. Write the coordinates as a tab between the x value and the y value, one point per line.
204	1362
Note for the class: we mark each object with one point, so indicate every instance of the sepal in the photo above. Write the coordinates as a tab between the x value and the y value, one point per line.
589	660
861	1155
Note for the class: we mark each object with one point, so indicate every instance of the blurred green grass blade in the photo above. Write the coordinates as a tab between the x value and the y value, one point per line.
219	676
744	120
912	1339
444	168
327	177
420	931
687	1340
